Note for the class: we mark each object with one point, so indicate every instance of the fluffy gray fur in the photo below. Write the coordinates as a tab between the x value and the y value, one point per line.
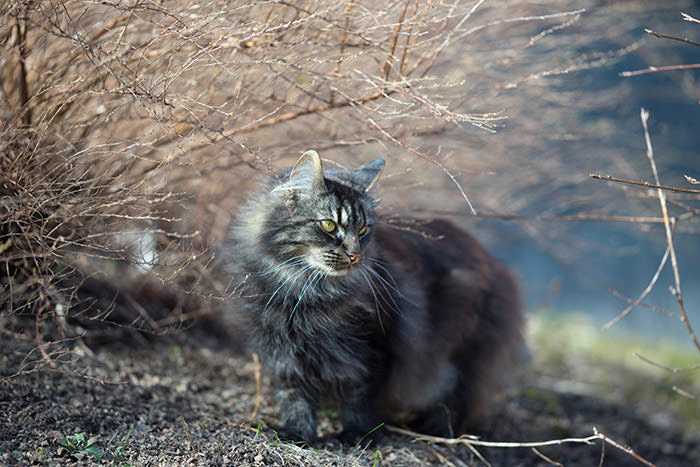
410	325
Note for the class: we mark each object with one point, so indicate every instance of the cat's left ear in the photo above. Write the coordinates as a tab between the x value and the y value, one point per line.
307	172
367	175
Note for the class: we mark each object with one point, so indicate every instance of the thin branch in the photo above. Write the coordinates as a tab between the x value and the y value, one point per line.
386	70
432	160
644	293
547	459
685	393
674	38
473	440
667	368
676	291
687	17
655	69
644	184
626	449
576	217
657	309
22	62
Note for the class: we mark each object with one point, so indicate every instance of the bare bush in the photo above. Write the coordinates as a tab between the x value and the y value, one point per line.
130	129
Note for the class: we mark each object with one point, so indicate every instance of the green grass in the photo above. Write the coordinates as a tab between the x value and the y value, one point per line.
610	361
78	447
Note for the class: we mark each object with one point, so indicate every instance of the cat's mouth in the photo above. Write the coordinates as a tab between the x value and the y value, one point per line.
337	264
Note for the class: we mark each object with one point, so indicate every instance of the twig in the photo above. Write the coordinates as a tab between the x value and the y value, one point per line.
687	17
684	393
667	368
258	387
646	305
674	38
547	459
574	217
23	86
643	295
546	218
654	69
645	184
676	291
386	69
469	439
626	449
473	440
406	48
193	446
432	160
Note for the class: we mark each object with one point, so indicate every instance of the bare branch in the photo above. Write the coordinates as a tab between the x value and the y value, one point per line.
675	38
656	69
644	184
669	232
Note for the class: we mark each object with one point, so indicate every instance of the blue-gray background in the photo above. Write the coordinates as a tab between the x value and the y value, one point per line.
595	128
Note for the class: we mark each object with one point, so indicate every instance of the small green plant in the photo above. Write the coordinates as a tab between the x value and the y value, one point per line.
121	449
78	446
368	433
330	413
377	458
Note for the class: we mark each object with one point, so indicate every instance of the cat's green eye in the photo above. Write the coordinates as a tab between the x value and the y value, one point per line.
363	230
328	225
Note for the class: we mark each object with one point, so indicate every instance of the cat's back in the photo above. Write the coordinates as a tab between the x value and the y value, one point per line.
435	246
459	343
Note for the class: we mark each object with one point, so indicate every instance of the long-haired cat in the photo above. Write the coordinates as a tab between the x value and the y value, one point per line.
407	326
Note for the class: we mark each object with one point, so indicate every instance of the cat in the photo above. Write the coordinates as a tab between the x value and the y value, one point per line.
408	325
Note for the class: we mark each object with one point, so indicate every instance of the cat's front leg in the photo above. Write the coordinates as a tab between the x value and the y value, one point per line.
298	413
361	417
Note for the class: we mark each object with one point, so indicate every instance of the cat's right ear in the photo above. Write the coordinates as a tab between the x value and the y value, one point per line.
307	172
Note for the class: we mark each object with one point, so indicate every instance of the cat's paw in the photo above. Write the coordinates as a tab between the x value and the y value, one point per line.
297	433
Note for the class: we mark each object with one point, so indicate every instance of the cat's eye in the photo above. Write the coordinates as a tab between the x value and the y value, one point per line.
363	230
328	225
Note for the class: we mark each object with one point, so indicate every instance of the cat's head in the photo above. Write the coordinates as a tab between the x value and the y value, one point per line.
324	218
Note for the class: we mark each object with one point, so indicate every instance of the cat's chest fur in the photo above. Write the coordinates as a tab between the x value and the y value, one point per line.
324	339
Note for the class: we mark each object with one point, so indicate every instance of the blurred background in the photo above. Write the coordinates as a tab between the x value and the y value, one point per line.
131	134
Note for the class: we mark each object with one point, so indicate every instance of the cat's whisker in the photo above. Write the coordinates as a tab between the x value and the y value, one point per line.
291	262
388	288
310	283
393	284
378	307
386	297
291	280
294	284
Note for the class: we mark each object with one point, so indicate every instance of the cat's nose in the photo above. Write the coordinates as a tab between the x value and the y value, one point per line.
352	250
354	257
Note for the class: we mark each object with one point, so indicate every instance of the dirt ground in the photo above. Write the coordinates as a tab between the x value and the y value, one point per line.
190	399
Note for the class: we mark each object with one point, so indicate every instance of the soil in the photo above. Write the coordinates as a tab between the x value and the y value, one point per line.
190	399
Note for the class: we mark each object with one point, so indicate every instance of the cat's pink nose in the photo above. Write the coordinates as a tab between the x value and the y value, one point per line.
354	257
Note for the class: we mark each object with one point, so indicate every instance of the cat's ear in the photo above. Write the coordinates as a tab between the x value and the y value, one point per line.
367	175
308	171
